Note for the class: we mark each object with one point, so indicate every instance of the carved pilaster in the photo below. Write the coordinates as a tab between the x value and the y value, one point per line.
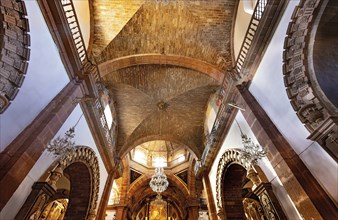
220	214
36	201
55	175
253	176
269	201
92	215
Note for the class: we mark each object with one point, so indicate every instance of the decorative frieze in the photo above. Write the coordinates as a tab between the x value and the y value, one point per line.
299	75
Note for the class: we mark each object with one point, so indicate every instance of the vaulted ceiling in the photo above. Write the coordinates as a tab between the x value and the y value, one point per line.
161	62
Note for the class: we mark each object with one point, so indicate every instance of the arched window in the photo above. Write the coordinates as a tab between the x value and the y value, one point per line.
249	6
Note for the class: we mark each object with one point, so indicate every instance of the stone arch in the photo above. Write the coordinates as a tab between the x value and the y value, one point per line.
177	192
174	60
144	180
301	73
262	191
82	168
170	194
14	43
132	144
231	156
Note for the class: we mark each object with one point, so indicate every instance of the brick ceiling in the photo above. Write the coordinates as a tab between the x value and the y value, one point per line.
162	102
158	101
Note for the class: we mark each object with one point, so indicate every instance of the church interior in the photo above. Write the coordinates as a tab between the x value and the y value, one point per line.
169	109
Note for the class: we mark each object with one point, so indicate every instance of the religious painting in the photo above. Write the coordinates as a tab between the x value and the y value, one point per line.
158	211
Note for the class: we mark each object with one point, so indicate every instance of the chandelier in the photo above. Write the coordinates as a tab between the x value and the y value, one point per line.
63	145
251	152
159	183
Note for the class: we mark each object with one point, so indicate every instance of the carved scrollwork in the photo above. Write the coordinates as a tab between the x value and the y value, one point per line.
268	208
41	201
229	156
15	53
87	156
313	108
296	78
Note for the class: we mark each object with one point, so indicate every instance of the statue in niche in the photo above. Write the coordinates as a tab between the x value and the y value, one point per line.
253	210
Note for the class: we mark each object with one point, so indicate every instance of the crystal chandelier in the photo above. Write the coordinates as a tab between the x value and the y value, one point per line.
159	183
62	145
251	152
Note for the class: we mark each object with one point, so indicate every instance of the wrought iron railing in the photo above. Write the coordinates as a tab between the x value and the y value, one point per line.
250	33
75	30
103	124
212	139
74	26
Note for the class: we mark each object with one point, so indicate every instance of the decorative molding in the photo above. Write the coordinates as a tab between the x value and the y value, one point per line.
230	156
264	192
313	109
87	156
37	200
221	126
15	53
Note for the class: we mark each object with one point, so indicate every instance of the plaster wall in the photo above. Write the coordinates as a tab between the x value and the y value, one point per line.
82	137
233	140
269	90
45	78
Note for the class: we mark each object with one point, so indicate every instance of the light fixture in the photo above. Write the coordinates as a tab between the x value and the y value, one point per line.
159	184
62	145
251	152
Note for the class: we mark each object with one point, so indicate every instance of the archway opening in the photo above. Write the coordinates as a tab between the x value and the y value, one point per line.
167	210
80	190
234	179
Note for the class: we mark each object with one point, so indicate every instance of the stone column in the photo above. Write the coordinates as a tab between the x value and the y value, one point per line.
105	197
36	201
307	194
193	211
211	203
20	156
121	212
